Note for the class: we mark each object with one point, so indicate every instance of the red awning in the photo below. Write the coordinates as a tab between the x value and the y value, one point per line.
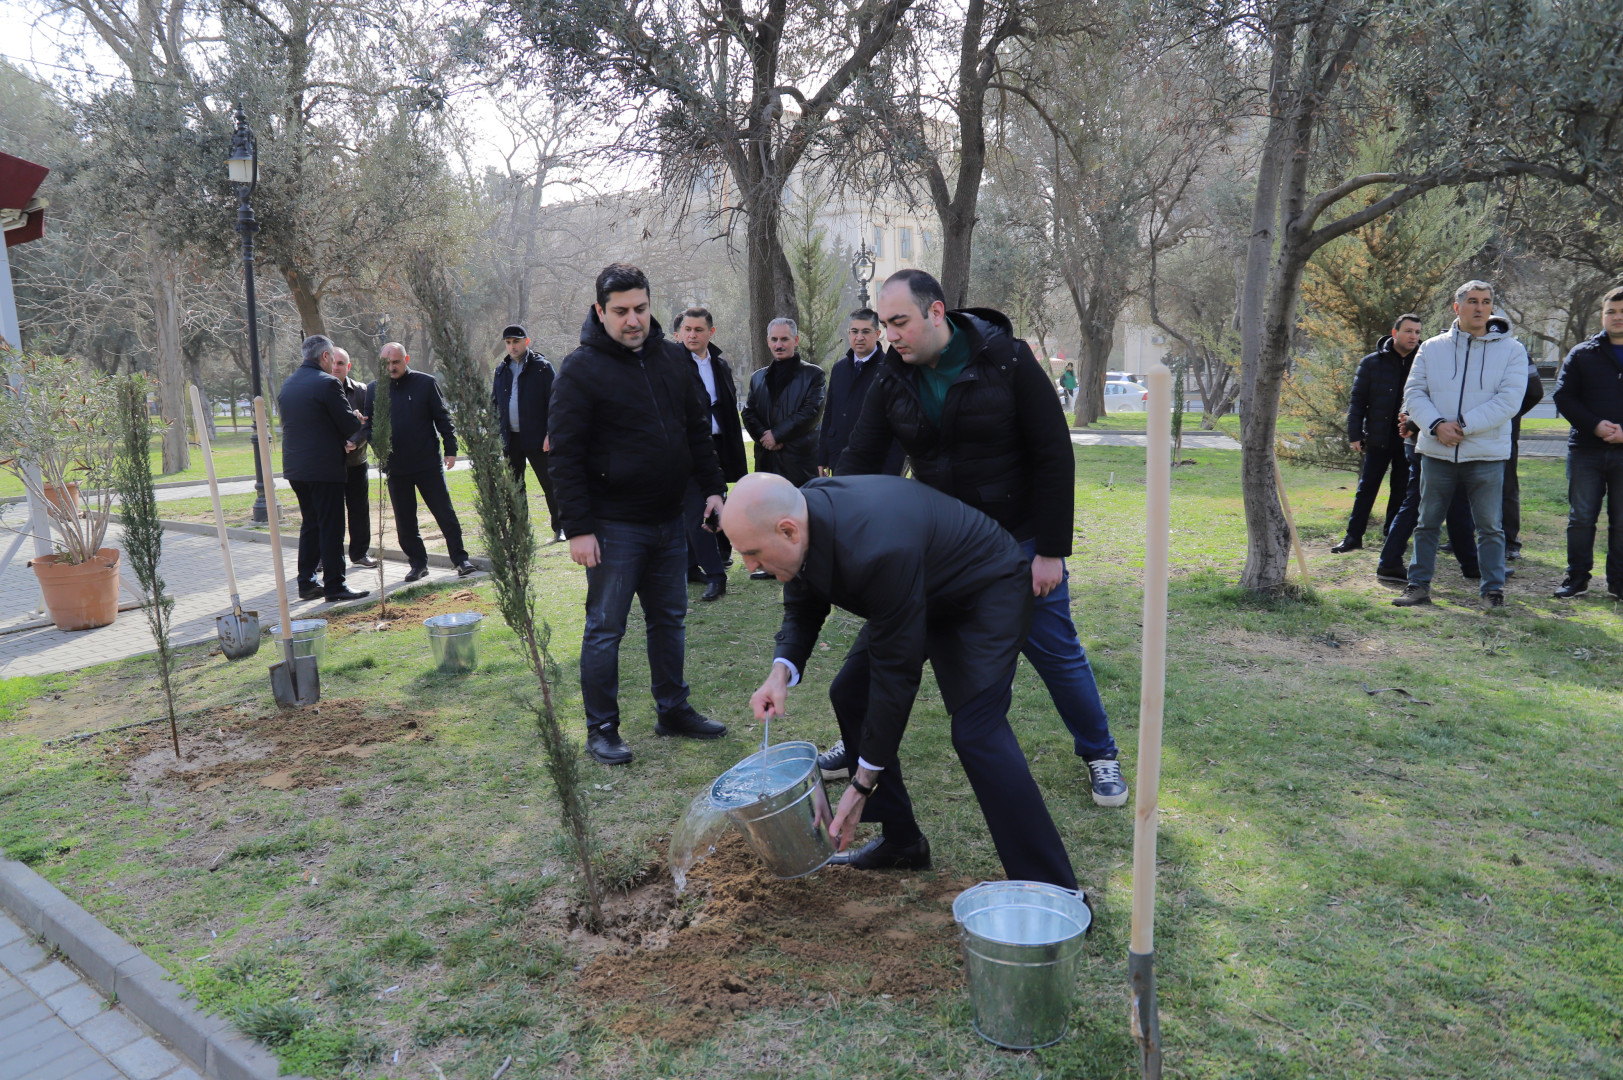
19	180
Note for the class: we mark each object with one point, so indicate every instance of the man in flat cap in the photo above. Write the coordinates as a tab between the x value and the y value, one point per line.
522	388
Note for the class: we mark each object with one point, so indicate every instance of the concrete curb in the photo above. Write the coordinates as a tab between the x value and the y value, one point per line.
139	983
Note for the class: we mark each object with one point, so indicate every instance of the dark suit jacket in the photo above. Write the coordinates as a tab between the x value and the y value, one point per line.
534	391
316	422
724	410
847	387
932	576
355	394
418	420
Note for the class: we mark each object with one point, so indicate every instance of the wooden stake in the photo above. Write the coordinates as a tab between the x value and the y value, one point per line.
1290	521
1151	706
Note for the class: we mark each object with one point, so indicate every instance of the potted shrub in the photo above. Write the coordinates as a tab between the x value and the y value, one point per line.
59	431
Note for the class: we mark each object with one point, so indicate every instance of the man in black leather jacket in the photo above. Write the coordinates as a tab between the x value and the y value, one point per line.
783	407
629	428
980	421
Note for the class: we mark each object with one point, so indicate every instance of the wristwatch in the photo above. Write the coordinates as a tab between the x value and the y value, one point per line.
864	791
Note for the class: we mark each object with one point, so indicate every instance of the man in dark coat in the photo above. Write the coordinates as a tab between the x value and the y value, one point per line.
1372	427
316	424
785	402
1511	513
708	551
933	578
980	421
418	419
848	384
1589	393
630	428
521	405
357	486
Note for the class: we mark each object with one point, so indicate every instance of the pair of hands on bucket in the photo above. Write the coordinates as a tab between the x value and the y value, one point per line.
768	703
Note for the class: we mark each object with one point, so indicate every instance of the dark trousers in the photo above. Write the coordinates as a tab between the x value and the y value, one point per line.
1056	654
704	546
1380	462
1461	527
1594	474
1027	841
321	533
517	459
1511	514
356	490
403	494
650	563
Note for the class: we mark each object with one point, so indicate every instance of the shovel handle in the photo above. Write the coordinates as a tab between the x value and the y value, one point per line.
214	491
269	477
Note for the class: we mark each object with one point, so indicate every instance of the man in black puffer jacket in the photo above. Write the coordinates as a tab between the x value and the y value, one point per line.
979	420
1589	393
1372	427
418	419
629	426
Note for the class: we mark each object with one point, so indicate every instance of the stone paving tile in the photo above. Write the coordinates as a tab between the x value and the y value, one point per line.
144	1059
77	1003
48	980
109	1032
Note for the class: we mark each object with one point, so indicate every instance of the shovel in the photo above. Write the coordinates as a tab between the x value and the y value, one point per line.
239	631
295	681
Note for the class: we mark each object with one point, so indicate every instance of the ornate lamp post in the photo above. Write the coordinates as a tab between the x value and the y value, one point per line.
862	271
242	166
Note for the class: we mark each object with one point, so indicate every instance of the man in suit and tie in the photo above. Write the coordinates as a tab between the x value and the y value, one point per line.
934	578
708	551
848	384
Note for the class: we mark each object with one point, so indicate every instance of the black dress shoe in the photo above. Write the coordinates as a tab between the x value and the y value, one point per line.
880	854
690	725
347	593
311	592
466	567
606	746
696	576
417	573
715	590
365	560
1346	546
761	575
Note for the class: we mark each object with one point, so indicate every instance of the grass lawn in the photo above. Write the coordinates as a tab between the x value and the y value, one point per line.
1354	882
233	456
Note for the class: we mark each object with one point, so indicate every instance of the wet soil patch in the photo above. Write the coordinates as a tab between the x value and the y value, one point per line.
742	941
412	612
284	749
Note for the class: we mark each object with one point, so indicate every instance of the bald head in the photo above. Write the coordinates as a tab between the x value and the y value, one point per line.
340	363
765	519
394	355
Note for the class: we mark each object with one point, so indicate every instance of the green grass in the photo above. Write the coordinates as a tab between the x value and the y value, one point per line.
1352	885
233	456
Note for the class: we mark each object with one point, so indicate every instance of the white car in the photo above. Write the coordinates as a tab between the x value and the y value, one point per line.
1124	396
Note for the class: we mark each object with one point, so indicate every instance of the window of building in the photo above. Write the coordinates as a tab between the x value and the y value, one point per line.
904	243
926	240
878	242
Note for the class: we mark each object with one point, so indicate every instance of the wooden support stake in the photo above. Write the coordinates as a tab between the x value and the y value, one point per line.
1290	521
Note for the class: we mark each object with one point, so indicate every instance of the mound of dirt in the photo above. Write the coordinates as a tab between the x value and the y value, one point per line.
759	943
284	749
413	612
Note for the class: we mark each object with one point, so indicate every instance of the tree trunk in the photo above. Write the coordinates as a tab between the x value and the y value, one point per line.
306	301
956	236
1097	342
771	282
170	363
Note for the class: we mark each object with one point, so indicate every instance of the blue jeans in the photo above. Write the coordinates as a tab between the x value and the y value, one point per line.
649	561
1058	657
1595	473
1484	483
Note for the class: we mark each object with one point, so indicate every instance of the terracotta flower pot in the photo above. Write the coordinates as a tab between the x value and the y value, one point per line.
53	494
79	596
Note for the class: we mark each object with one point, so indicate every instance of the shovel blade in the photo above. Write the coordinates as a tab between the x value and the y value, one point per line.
239	634
296	682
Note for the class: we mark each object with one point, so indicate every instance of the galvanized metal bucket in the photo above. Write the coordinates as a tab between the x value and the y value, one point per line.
454	639
309	638
776	799
1022	944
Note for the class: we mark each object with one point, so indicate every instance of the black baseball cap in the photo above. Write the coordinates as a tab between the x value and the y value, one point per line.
515	330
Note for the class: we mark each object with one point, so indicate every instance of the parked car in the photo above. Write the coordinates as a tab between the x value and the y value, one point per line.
1124	396
1121	376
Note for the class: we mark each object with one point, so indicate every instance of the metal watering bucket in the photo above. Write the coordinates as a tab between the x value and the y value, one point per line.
454	640
1022	942
309	637
776	799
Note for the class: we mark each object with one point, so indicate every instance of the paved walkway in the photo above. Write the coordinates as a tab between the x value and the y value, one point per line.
55	1025
194	573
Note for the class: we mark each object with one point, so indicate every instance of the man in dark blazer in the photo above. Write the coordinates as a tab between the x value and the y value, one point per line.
356	483
630	429
785	402
707	550
316	425
521	405
418	419
848	384
933	578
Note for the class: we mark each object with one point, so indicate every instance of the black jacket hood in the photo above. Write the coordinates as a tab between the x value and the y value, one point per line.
595	335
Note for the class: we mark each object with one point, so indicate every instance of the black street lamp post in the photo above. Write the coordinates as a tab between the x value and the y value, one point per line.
862	271
243	168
